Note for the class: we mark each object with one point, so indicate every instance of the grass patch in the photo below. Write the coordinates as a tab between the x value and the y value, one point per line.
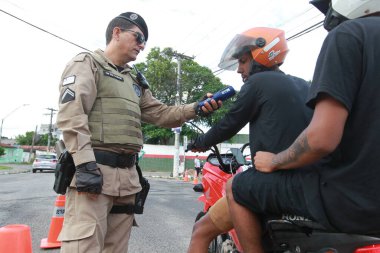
5	167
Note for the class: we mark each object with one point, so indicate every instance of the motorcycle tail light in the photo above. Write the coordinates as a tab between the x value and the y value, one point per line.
369	249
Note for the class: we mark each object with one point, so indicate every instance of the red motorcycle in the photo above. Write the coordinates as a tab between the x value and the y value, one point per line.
216	172
283	234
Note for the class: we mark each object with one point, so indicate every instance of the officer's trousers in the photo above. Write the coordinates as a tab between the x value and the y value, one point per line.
89	227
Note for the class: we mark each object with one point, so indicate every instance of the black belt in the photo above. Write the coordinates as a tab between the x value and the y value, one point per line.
114	159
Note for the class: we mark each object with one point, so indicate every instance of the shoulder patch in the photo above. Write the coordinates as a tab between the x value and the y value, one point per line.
137	89
67	96
68	80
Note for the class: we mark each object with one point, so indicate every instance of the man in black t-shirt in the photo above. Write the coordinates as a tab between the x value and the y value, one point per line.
340	191
273	104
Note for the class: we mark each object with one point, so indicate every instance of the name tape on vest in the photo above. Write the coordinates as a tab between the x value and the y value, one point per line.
110	74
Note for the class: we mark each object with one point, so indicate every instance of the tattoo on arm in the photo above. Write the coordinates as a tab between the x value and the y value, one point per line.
294	152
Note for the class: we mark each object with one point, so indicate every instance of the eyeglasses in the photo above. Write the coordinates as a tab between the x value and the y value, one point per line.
140	39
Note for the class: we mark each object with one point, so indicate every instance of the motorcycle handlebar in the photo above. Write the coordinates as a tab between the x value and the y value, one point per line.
215	149
218	156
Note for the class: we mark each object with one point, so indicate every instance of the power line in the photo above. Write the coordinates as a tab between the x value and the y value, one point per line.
297	35
303	23
305	31
41	29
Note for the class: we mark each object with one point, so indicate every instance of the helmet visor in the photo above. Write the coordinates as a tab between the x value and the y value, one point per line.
239	45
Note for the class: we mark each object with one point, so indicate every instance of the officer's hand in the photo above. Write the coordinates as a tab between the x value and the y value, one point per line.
209	107
89	178
197	146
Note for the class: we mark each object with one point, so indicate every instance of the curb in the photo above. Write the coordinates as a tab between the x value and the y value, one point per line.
19	171
147	174
13	171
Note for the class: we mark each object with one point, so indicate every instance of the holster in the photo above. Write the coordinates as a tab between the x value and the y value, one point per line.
142	195
64	170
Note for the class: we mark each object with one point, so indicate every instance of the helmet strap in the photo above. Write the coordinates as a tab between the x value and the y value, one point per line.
333	19
257	67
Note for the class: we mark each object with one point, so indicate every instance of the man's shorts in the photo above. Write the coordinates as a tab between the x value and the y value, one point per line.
272	194
220	215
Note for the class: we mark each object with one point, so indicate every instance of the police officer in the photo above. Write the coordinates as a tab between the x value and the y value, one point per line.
101	107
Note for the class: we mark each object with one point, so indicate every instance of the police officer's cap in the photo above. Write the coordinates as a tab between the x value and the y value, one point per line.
137	20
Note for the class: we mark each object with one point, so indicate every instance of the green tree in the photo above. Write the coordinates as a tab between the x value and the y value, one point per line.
40	140
160	69
25	139
2	151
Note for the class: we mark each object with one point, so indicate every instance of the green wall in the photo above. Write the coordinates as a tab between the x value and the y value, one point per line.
162	164
12	155
156	164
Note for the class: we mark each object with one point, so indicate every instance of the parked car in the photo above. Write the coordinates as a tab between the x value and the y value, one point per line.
44	162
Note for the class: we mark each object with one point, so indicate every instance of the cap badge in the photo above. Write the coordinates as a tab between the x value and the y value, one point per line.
133	16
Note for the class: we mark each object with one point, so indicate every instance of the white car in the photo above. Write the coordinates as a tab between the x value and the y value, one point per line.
44	162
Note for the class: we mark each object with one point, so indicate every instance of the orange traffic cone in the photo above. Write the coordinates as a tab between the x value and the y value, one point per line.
195	181
55	225
186	177
15	238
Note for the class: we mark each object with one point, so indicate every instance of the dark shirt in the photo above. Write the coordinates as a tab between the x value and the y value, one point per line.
274	105
348	69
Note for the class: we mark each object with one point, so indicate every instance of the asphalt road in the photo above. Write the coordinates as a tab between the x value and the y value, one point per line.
165	226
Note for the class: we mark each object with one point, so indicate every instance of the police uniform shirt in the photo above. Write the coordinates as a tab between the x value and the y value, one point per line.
78	90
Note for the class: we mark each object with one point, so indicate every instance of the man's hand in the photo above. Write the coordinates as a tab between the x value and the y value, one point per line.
89	178
208	108
264	161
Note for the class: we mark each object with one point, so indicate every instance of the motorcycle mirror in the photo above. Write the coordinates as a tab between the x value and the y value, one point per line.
238	155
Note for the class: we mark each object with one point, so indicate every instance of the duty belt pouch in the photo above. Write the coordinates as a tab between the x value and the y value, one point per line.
64	170
142	195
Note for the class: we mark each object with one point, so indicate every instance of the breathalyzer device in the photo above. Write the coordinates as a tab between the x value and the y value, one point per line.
223	94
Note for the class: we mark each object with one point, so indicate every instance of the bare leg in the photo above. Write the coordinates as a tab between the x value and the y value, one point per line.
204	231
246	223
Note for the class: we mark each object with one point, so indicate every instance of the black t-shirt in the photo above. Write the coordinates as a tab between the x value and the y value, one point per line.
348	69
274	105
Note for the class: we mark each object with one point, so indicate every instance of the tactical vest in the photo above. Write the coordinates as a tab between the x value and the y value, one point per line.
115	117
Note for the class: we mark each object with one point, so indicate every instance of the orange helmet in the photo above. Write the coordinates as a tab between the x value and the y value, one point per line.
268	47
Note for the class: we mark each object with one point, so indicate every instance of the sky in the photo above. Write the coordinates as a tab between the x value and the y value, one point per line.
32	61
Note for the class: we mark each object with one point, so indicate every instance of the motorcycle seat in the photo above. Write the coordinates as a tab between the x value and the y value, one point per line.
293	223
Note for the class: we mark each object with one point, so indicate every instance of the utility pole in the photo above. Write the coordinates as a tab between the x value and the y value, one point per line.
179	57
31	148
50	126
